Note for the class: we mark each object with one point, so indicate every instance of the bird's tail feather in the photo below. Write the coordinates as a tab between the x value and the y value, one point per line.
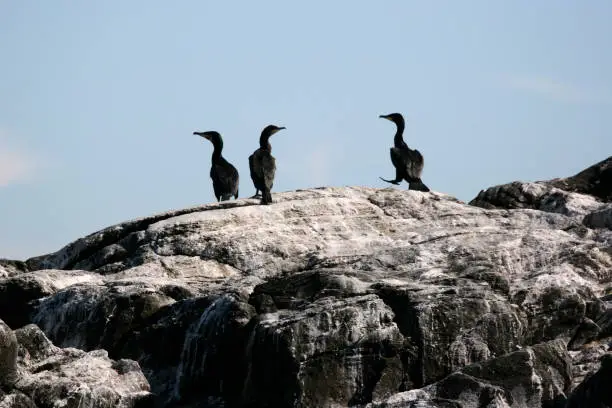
396	182
266	196
417	185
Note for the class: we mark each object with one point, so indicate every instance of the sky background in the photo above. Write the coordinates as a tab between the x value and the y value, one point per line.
98	100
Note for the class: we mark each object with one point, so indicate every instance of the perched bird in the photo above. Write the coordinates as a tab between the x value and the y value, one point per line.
224	176
263	165
408	163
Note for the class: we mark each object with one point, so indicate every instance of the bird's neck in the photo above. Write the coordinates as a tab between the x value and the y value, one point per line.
264	142
216	156
399	135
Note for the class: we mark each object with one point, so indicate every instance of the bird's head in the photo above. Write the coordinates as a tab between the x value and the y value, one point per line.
396	118
211	135
270	130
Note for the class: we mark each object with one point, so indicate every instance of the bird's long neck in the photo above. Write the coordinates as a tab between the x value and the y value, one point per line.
264	142
399	135
216	156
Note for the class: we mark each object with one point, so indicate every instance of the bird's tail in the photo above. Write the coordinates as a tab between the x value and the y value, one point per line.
266	196
417	185
396	182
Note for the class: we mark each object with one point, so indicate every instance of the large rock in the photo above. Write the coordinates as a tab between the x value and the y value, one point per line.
19	293
592	184
10	267
8	356
35	373
98	315
534	377
595	180
340	296
595	390
599	219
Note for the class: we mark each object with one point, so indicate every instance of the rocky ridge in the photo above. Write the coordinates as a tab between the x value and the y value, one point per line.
330	297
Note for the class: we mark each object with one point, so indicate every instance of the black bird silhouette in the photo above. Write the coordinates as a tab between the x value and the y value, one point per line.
224	176
263	165
408	162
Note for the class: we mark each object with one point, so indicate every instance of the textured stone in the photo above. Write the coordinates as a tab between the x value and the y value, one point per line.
594	391
343	296
35	373
534	377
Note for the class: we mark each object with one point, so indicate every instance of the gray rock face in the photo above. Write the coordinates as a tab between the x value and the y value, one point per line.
34	373
595	390
552	195
8	356
343	297
599	219
10	268
20	292
531	378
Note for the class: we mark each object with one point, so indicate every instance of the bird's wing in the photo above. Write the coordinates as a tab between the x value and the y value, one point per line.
225	175
416	163
255	168
268	166
263	169
407	161
253	164
251	158
396	158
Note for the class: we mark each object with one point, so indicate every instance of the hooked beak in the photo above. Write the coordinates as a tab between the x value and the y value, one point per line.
384	117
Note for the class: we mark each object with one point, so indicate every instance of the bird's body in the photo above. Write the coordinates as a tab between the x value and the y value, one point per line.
225	179
408	162
224	175
263	165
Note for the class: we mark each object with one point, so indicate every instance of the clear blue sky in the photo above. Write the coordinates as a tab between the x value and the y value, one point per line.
99	99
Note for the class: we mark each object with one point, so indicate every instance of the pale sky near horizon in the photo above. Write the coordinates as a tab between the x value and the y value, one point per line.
98	100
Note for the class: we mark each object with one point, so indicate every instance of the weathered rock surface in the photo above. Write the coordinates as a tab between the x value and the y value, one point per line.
533	377
595	390
35	373
9	267
553	195
19	293
344	297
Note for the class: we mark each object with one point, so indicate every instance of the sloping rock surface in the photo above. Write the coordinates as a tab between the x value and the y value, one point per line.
343	297
553	195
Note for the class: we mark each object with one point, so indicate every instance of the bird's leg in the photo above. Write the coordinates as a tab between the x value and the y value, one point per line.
398	178
257	195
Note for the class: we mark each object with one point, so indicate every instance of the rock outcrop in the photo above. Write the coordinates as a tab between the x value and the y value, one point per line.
343	297
533	377
594	183
35	373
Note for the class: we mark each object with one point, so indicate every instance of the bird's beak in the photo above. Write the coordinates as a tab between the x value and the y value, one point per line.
203	134
383	117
